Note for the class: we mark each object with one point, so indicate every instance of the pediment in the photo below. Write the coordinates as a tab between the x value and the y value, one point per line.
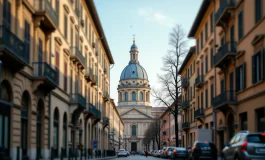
136	114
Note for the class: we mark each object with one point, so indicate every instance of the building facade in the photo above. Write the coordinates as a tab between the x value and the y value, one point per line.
134	102
229	88
54	80
116	129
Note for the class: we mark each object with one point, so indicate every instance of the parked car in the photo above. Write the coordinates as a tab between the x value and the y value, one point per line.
214	151
201	150
162	154
168	151
159	153
122	153
179	152
245	145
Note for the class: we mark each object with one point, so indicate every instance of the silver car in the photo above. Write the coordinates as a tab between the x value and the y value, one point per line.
168	151
245	145
122	153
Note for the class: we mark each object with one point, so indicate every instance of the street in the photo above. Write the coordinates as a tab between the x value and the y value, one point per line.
137	157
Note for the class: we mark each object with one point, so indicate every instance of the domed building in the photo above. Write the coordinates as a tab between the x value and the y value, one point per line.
134	102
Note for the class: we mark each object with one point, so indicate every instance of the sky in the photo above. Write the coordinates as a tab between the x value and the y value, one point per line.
150	21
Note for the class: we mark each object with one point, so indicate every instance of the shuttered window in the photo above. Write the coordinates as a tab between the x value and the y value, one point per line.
212	58
258	10
201	40
7	14
65	76
258	66
57	66
212	92
240	26
241	77
27	40
206	32
206	98
66	27
206	63
211	22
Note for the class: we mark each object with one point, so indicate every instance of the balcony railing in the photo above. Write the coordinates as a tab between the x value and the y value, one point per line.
224	4
199	113
75	53
228	49
185	82
92	109
224	98
43	69
199	81
185	104
78	98
46	7
10	42
185	125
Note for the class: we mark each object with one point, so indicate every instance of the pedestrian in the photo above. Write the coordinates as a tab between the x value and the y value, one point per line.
146	154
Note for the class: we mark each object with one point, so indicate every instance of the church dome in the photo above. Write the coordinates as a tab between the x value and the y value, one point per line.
133	71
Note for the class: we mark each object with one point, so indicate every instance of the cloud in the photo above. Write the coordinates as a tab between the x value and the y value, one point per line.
150	15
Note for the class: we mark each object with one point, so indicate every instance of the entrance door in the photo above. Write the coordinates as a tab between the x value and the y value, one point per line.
230	124
4	129
221	139
134	146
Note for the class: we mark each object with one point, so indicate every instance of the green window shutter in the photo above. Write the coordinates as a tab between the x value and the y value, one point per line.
244	75
253	70
262	63
237	79
258	10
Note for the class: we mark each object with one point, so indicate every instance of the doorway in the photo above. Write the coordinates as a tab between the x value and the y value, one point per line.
230	123
134	146
221	139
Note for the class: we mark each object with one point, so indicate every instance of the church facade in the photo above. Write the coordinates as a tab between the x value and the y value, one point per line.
134	102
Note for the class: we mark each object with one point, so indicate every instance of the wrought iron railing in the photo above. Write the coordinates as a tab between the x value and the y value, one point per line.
223	5
43	69
76	52
229	47
228	96
78	98
199	113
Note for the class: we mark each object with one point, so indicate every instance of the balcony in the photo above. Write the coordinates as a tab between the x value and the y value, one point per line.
105	121
92	112
223	14
199	81
44	77
88	74
185	125
106	96
78	99
199	113
224	54
224	100
185	82
12	50
46	14
77	57
185	105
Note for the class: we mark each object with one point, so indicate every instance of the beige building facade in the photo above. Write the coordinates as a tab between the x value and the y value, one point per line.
229	87
55	78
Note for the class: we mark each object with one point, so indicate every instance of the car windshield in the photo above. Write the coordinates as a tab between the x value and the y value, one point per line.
170	149
180	149
121	150
256	138
203	145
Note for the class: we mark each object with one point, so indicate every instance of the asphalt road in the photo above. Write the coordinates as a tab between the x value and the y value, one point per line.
137	157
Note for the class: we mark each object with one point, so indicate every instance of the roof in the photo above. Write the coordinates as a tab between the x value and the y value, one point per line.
187	58
205	4
133	71
96	20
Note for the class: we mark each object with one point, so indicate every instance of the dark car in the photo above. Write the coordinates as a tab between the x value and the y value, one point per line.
179	153
245	145
214	151
201	150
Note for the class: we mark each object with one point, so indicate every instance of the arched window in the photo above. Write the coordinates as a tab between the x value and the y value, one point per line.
133	130
120	97
126	96
133	96
64	134
24	123
56	132
80	132
141	96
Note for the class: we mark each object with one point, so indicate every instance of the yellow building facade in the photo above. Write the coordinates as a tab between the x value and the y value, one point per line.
55	78
223	81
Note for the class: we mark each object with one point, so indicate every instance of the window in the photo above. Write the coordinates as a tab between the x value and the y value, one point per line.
258	10
27	40
64	134
66	27
198	102
258	66
206	63
65	76
39	127
24	124
7	13
198	49
126	96
211	22
243	121
212	58
133	96
202	100
212	92
241	77
57	64
120	96
141	96
202	69
201	40
56	132
240	26
206	98
206	31
133	130
260	114
71	81
57	9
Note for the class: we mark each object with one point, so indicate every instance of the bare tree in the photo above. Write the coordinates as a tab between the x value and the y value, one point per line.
170	90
